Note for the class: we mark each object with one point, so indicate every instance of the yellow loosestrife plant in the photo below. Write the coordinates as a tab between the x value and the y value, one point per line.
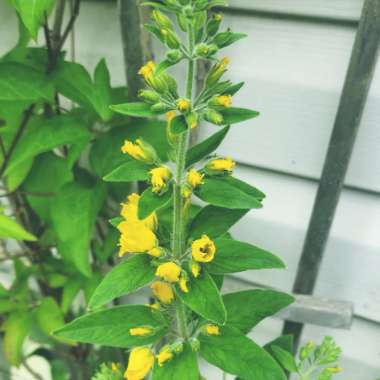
179	250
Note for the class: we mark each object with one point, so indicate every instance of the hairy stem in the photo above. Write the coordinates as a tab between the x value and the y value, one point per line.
178	241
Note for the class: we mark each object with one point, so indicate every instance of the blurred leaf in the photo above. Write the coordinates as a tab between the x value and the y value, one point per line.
128	276
18	175
204	298
247	308
109	247
214	221
111	327
206	147
183	366
238	355
9	228
70	290
234	115
22	83
178	125
49	316
284	341
150	202
235	256
16	329
73	216
130	171
285	358
137	109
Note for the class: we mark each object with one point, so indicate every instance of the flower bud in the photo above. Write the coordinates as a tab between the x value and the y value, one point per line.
214	24
183	105
161	20
195	268
195	344
171	84
177	347
158	83
201	5
214	117
220	166
182	22
149	96
221	101
188	11
205	50
174	56
192	120
140	150
160	107
171	38
217	71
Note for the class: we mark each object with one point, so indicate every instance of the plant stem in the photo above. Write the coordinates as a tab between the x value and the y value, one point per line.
178	241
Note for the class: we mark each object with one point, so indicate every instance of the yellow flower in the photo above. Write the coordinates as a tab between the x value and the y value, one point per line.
155	306
186	191
203	250
136	238
156	252
183	284
212	330
141	360
183	105
169	272
164	355
129	212
140	331
147	70
159	178
194	178
221	165
139	150
224	100
163	292
195	269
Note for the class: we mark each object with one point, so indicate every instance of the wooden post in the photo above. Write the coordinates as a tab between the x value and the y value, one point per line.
352	102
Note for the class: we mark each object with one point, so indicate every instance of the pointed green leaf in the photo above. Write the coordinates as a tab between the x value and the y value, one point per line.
130	171
234	256
16	177
49	316
238	355
225	39
9	228
150	202
135	109
247	308
234	115
128	276
102	84
206	147
111	327
285	358
229	192
183	366
178	125
204	298
214	221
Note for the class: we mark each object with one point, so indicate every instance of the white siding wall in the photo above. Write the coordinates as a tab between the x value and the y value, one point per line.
294	73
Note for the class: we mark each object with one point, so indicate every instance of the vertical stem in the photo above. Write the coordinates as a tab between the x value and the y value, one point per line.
178	240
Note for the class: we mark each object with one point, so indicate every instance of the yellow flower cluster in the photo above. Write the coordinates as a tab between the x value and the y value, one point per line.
159	178
147	70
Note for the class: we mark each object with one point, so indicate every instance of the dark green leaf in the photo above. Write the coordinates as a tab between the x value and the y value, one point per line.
128	276
214	221
178	125
206	147
135	109
130	171
103	89
155	31
234	115
9	228
238	355
284	341
234	256
204	298
225	39
233	89
162	66
150	202
183	366
22	83
111	327
247	308
285	358
116	221
229	193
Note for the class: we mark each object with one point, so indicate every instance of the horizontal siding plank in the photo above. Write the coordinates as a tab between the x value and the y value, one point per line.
339	9
349	270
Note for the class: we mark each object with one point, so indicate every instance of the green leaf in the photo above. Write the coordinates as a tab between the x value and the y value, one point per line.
135	109
49	316
229	192
73	81
73	216
130	171
43	135
70	290
178	125
285	358
225	39
49	173
183	366
116	221
234	256
32	13
206	147
128	276
111	327
150	202
23	83
16	328
284	341
18	175
162	66
234	115
106	154
214	221
9	228
204	298
247	308
238	355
